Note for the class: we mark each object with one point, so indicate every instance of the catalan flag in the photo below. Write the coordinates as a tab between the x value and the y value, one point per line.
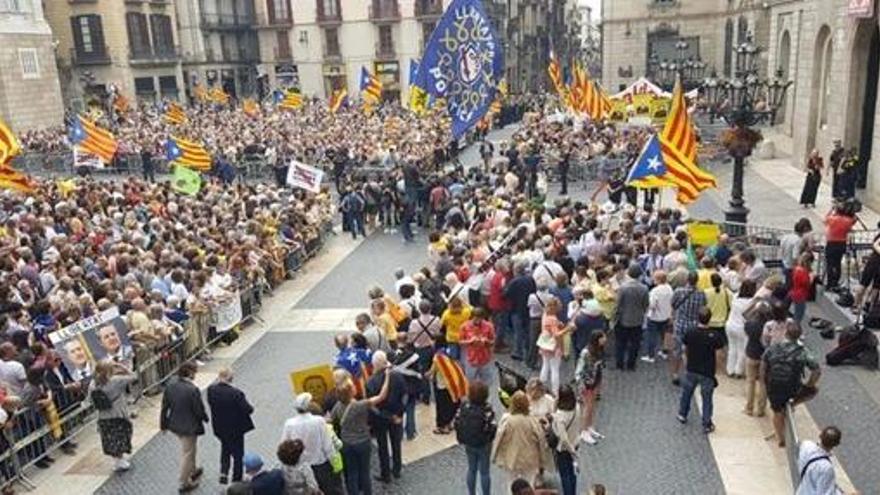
289	100
450	370
217	95
174	113
15	180
89	138
250	107
678	144
187	153
555	72
9	146
200	93
371	86
337	99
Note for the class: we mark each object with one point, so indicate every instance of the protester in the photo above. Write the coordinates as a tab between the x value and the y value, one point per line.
318	445
700	344
565	427
632	304
478	339
262	481
588	379
519	446
183	413
387	418
298	476
107	393
817	474
782	367
550	343
475	428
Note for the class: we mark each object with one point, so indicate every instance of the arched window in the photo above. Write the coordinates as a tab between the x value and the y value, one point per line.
825	89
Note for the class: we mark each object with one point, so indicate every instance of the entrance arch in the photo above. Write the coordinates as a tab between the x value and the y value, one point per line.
819	89
860	116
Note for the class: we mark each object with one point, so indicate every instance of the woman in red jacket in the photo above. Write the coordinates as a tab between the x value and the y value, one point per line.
801	285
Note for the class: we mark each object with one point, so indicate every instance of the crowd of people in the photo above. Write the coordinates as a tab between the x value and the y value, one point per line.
528	295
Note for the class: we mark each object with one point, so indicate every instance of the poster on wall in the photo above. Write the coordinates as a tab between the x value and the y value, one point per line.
102	337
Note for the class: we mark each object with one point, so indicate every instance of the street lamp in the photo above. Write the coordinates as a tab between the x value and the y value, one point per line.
743	102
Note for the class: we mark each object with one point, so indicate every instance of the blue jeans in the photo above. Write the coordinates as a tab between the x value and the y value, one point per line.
520	324
688	386
356	224
567	476
800	309
502	327
454	351
481	373
478	459
653	336
409	426
356	459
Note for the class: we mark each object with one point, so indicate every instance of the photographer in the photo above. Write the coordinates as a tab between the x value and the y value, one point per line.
838	224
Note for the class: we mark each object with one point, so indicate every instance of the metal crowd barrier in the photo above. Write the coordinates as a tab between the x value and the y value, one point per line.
36	433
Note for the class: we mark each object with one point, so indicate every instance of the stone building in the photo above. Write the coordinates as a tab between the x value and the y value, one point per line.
638	35
831	50
534	27
132	45
30	96
219	43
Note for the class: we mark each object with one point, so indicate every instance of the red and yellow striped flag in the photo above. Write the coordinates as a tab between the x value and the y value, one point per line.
450	369
174	113
217	95
678	143
250	107
9	146
200	93
15	180
120	103
90	138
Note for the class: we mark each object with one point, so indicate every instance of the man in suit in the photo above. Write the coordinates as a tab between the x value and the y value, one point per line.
231	419
183	414
387	421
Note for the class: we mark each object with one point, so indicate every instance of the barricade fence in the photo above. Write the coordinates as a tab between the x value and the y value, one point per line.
34	433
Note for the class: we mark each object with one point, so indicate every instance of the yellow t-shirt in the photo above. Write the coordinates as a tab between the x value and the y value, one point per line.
452	322
704	278
719	304
606	299
388	326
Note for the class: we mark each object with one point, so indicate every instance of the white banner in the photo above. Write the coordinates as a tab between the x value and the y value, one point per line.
304	176
86	159
228	314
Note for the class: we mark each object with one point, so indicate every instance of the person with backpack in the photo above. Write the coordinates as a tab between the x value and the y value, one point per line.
817	475
782	370
107	393
475	428
566	430
352	207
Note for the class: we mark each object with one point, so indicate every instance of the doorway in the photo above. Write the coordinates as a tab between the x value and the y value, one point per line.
862	113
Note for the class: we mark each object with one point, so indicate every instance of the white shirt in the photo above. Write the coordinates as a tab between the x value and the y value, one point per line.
13	374
819	478
660	303
312	431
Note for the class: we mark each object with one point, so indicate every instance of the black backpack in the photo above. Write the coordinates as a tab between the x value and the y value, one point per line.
785	369
101	400
475	426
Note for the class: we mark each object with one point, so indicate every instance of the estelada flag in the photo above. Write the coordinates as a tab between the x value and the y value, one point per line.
453	375
15	180
9	146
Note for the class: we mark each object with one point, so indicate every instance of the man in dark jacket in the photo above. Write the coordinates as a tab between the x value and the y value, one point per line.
387	421
517	291
183	414
231	419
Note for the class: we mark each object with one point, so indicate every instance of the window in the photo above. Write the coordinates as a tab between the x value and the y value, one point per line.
30	63
88	35
827	89
330	8
283	45
279	10
138	36
331	37
163	37
386	41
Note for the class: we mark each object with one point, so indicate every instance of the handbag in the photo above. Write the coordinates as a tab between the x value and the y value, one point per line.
546	342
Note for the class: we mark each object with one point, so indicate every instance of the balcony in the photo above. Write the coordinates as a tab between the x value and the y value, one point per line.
385	52
222	22
426	10
384	11
98	57
329	17
272	22
169	55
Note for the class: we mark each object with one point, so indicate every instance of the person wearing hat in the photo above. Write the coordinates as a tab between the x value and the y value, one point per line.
183	413
231	420
262	482
317	442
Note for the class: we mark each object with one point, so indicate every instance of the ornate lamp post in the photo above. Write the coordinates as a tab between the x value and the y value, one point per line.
743	102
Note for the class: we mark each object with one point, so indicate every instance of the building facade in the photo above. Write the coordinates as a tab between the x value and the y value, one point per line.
132	45
639	35
534	27
220	45
830	49
30	96
589	40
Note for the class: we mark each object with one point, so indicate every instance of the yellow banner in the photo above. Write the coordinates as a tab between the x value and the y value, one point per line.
317	380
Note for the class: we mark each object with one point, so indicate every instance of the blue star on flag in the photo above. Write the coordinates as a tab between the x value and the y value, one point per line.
649	170
172	151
